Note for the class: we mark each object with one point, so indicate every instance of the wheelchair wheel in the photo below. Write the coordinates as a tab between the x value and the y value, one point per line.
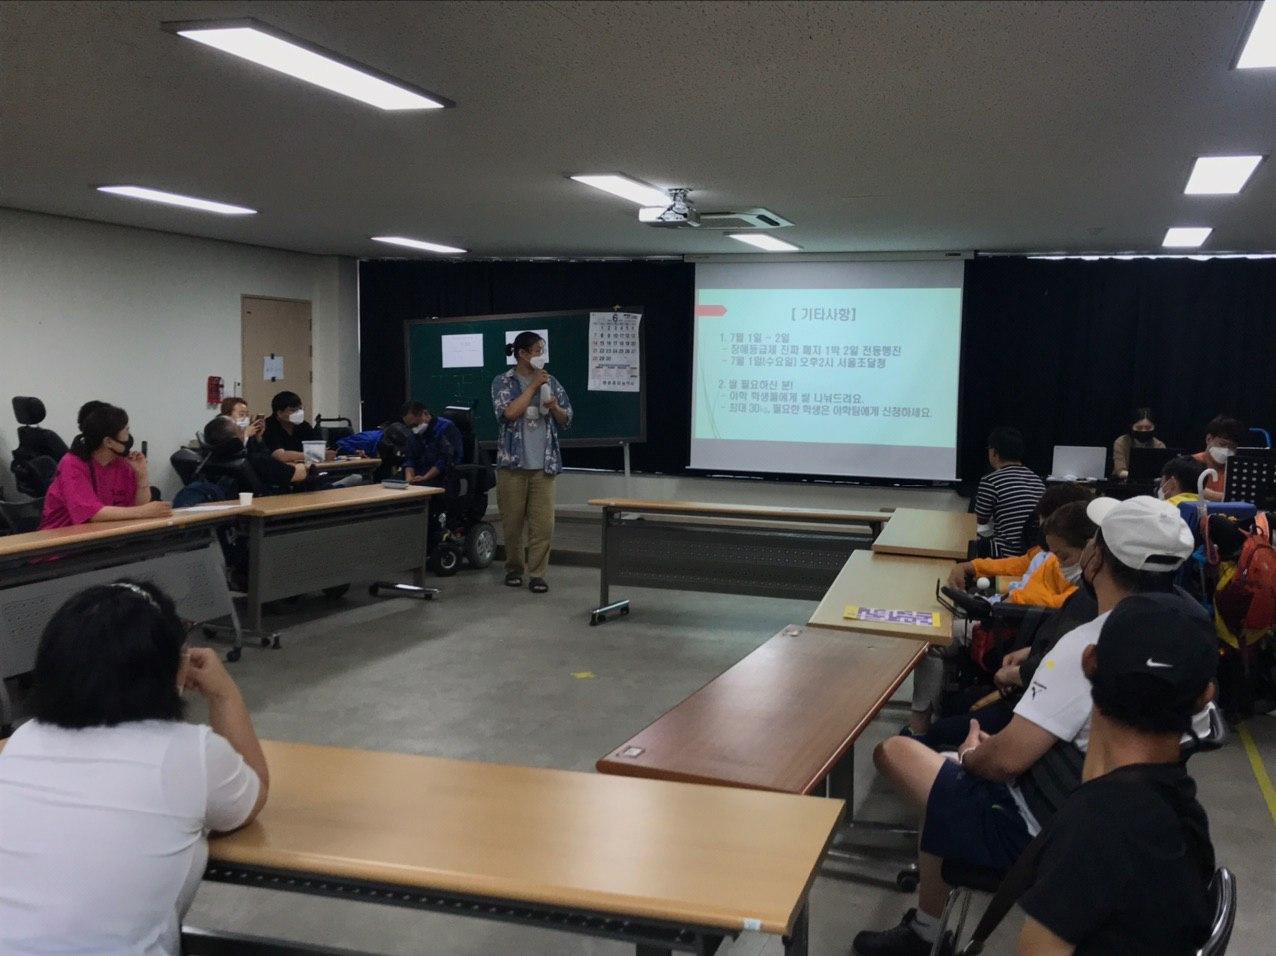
480	545
445	561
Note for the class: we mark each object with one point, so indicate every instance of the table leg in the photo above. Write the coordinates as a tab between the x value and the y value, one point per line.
256	533
642	949
606	608
798	941
860	842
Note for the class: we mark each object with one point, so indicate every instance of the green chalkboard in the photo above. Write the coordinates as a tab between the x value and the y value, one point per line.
600	418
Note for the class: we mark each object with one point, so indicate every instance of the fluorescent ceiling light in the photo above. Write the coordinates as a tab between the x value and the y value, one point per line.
643	194
1221	175
268	47
1260	48
418	244
1131	256
175	199
1185	237
763	241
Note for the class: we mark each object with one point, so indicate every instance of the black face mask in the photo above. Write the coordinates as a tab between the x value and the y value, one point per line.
1088	586
128	445
1144	438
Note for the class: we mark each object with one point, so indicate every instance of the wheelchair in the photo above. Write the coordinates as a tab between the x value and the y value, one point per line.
463	535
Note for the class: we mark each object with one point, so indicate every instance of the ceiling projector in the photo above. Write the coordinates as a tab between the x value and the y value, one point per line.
679	214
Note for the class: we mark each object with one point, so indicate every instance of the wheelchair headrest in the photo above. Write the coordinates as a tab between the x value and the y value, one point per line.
28	409
461	417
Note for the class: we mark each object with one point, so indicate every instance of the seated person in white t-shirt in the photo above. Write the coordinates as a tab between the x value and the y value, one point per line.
985	806
107	796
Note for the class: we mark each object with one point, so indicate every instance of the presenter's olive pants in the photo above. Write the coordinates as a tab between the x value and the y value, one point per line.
526	500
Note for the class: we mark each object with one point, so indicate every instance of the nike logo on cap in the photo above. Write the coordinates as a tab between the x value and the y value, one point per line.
1152	663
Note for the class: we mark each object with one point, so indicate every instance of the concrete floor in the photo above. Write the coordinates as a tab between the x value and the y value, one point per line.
486	673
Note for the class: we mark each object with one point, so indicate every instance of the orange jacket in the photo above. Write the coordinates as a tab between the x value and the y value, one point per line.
1046	588
1010	567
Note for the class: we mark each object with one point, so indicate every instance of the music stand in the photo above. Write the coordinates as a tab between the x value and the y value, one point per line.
1251	476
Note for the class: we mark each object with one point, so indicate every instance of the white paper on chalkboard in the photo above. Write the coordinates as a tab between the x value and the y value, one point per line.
511	336
463	351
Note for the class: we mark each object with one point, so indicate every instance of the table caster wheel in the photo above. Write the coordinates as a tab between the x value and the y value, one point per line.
907	880
233	654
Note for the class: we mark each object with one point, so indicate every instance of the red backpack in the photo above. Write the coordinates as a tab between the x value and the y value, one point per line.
1248	601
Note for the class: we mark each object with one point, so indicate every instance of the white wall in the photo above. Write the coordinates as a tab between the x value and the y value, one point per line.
141	319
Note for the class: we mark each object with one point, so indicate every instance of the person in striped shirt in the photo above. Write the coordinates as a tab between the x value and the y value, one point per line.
1007	495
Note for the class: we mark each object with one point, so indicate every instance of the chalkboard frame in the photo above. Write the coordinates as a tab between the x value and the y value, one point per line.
529	319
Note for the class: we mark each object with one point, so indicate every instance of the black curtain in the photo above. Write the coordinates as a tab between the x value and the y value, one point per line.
1062	349
1065	350
393	291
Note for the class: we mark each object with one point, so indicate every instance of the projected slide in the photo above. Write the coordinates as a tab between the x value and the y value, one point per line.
827	368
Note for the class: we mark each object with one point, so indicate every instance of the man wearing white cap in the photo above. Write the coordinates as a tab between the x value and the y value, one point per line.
988	804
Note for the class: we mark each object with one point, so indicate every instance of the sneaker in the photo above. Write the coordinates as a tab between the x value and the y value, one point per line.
902	940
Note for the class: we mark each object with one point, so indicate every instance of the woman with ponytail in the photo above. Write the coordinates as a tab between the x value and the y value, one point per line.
101	478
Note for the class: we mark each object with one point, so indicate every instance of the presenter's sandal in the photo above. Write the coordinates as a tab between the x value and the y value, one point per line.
537	586
513	580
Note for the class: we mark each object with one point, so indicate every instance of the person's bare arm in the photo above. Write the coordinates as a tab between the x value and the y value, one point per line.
1007	754
556	410
228	715
287	457
152	509
1036	940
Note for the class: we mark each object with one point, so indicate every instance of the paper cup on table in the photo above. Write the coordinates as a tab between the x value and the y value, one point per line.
314	450
245	497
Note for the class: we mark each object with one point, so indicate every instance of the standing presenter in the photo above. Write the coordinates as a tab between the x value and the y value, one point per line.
531	408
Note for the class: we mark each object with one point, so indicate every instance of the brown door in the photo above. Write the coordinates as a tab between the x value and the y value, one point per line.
276	340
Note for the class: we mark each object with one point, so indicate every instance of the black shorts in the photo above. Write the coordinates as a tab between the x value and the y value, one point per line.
973	820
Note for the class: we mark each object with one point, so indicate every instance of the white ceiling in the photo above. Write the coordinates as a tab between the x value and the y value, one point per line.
872	126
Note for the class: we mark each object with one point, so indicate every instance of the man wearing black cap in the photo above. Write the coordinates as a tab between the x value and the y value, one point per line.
1134	822
985	807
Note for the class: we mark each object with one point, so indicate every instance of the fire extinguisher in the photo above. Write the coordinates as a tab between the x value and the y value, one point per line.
216	388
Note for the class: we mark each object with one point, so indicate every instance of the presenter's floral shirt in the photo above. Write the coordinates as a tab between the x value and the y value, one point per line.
510	442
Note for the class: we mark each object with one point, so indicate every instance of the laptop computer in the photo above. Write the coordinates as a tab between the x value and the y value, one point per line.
1079	463
1146	463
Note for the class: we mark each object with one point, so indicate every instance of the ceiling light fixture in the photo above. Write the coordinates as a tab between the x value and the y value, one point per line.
419	244
264	45
176	199
764	242
644	194
1185	237
1220	175
1260	47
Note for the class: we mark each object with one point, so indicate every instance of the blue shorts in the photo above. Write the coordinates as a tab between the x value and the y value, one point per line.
973	820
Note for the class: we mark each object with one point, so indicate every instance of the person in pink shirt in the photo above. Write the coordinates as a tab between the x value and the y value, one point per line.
101	478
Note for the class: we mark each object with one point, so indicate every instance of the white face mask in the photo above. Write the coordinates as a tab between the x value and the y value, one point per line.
1072	573
1221	454
418	429
1160	493
243	422
298	416
538	362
